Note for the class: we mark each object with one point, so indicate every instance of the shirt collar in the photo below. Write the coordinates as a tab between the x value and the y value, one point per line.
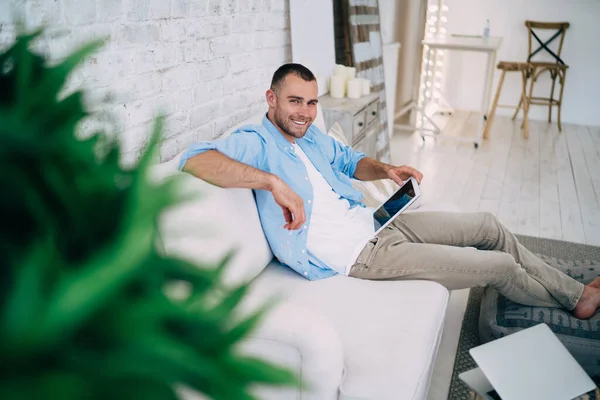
282	141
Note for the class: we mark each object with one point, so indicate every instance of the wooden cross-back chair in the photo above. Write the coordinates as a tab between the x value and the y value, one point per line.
531	70
557	68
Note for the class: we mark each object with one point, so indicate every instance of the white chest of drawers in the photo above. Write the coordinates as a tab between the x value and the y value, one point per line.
360	121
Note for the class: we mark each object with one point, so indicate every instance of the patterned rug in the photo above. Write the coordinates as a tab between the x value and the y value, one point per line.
558	252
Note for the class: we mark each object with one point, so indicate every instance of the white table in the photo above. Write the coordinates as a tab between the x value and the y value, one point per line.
478	44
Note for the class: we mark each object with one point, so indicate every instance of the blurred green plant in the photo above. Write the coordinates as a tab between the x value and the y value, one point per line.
83	307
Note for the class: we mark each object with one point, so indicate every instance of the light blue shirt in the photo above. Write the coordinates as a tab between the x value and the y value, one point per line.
264	147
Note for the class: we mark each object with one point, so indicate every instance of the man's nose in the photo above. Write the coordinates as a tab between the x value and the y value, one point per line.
305	111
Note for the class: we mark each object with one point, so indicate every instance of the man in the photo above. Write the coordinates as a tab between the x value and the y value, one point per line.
316	224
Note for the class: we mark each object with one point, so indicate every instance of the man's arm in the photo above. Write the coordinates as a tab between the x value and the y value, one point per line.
369	169
234	161
220	170
356	165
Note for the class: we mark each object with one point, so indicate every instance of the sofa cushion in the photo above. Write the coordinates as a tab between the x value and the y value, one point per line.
203	230
317	355
390	330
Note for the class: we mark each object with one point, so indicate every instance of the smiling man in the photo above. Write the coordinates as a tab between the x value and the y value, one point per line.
317	225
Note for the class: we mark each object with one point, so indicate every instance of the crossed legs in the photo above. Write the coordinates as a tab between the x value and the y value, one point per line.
462	250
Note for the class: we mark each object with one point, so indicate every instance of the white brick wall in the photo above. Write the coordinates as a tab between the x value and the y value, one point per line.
205	63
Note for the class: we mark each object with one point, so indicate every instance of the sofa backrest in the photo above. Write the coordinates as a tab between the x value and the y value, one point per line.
215	222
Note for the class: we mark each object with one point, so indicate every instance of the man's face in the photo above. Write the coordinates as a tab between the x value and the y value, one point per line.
294	107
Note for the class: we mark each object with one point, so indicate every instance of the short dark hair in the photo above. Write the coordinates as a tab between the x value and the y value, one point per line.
287	69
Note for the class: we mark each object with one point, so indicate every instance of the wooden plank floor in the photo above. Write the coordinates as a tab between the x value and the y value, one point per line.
547	186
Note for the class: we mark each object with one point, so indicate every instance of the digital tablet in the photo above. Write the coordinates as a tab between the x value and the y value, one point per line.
396	204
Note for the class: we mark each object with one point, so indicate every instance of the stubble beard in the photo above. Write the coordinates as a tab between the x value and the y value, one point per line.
286	124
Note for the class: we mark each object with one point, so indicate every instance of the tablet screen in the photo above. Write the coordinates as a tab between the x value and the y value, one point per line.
395	203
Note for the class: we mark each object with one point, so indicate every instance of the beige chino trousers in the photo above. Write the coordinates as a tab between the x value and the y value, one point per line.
463	250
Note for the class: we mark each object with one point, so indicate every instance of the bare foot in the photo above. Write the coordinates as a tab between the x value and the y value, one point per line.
588	303
595	283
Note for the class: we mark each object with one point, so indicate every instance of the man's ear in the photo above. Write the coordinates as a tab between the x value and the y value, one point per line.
271	98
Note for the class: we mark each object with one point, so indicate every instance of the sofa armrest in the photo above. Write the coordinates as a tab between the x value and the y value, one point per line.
302	341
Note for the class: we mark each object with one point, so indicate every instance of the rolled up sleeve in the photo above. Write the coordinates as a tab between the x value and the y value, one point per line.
341	157
244	145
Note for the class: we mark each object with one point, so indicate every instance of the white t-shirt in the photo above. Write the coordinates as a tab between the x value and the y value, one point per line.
337	234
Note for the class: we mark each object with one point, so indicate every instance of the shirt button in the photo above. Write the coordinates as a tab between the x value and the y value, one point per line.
306	178
305	273
303	251
305	227
310	201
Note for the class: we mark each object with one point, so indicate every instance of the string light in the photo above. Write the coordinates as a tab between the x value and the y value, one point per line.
433	60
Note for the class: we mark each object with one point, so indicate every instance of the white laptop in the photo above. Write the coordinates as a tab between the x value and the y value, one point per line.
529	364
402	198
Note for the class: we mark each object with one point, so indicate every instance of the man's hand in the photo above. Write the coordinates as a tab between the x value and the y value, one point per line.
403	173
291	204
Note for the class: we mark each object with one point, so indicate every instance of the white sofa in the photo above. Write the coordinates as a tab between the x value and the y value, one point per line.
345	338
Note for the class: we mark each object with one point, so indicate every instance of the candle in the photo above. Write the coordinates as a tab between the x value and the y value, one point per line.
350	73
339	70
354	88
337	86
366	87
